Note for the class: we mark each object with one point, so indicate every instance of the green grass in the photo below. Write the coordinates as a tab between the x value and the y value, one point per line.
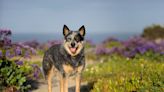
120	74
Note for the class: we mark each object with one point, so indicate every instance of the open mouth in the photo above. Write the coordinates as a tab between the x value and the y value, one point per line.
73	49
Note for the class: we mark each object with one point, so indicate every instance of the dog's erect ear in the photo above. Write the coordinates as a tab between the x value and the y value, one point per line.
82	30
65	30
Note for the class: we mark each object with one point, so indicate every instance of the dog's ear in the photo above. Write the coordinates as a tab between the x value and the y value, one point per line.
65	30
82	30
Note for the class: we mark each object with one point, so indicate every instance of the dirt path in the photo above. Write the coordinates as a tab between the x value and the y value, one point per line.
55	86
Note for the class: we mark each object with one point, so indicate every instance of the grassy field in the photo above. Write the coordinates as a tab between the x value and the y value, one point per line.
119	74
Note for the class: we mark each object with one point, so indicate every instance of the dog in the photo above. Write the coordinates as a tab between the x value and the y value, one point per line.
66	59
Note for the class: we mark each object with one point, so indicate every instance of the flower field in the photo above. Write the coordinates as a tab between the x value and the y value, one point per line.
132	65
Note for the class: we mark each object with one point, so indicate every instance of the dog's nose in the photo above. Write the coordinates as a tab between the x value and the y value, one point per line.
73	44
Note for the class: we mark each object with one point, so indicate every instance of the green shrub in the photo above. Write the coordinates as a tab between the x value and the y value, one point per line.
13	76
153	32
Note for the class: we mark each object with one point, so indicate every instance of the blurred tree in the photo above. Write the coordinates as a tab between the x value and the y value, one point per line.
153	32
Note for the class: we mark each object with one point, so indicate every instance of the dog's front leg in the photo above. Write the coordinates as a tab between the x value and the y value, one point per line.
66	84
78	80
63	84
50	80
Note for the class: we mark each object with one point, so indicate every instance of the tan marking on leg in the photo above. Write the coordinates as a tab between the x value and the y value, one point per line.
50	80
61	84
66	84
78	80
68	69
78	77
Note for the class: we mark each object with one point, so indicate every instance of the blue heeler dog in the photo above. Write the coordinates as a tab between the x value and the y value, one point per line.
66	59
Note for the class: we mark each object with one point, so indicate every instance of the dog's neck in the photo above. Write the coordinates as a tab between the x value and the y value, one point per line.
72	60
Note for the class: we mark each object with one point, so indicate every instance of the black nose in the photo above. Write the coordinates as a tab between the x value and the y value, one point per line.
73	44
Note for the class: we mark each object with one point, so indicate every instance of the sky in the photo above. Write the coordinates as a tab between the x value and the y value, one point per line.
98	16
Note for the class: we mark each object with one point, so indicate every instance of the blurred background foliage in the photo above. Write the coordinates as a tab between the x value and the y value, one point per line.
154	31
132	65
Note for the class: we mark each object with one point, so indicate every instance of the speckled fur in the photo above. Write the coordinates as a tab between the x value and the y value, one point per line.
58	59
57	56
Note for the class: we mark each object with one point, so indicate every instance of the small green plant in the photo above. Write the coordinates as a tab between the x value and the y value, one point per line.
13	75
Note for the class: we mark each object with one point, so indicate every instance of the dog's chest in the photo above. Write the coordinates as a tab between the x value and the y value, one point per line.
69	70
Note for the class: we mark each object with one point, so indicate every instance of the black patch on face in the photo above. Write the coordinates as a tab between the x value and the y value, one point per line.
76	37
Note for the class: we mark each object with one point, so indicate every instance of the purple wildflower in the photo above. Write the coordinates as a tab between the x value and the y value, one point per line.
162	53
7	41
1	54
130	54
8	54
141	50
126	54
33	51
19	62
27	54
162	43
36	71
18	51
101	50
33	44
5	32
117	50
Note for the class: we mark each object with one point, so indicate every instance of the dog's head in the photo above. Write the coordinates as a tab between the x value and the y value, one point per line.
74	40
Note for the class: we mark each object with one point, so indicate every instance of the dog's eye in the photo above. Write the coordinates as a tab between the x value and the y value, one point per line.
68	39
77	39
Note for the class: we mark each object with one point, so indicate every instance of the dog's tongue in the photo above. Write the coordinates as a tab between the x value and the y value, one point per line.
73	50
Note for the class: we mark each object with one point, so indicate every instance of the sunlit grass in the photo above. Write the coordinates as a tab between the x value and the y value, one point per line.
124	75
